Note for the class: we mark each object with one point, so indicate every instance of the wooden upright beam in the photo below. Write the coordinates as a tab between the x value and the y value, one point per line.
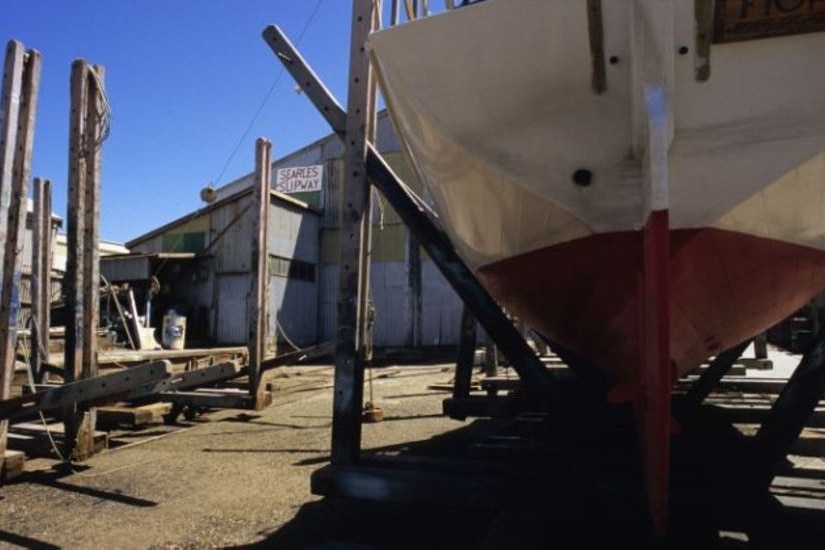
349	352
259	268
82	263
21	82
41	276
466	355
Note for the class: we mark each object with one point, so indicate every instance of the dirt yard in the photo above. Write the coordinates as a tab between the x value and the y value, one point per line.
232	478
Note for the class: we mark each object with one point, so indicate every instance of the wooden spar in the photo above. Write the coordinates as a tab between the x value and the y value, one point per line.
21	82
349	353
420	221
82	262
259	268
41	276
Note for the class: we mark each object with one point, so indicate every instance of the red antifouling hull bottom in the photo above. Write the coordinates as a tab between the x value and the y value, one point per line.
724	287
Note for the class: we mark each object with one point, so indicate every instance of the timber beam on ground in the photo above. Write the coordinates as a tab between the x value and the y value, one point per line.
136	382
420	220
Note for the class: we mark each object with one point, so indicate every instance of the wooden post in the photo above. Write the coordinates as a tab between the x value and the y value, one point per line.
21	81
41	276
760	343
415	284
258	301
466	355
82	263
349	352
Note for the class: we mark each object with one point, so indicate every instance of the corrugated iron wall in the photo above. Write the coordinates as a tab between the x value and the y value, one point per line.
414	304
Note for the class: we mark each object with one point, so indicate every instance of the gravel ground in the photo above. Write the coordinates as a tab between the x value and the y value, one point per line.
229	478
235	479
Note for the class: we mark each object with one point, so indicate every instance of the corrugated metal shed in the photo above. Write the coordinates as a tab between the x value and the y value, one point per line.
221	236
414	304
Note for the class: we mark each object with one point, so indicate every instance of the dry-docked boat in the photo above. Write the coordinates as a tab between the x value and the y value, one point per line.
643	181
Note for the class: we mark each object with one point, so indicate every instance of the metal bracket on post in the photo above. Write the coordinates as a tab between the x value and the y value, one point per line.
420	221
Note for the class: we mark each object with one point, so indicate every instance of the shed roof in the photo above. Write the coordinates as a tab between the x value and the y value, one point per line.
279	197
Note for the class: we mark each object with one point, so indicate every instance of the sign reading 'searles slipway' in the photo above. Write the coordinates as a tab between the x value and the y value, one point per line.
300	179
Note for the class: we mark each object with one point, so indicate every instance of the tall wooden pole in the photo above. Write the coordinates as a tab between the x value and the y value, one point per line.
82	262
21	82
259	270
41	276
353	279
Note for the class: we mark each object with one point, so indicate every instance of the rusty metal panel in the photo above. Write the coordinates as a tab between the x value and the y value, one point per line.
231	322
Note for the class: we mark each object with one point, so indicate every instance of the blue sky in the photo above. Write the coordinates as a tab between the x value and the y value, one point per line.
184	79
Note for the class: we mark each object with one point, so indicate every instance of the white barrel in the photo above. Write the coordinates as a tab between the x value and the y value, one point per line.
174	330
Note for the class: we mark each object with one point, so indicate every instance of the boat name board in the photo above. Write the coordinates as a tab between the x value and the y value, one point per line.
738	20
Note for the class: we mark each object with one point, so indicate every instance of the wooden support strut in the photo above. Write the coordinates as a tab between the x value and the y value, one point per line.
793	407
21	82
82	262
259	268
466	355
41	277
353	281
419	220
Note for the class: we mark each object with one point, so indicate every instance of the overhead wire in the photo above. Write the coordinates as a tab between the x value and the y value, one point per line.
266	97
246	131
